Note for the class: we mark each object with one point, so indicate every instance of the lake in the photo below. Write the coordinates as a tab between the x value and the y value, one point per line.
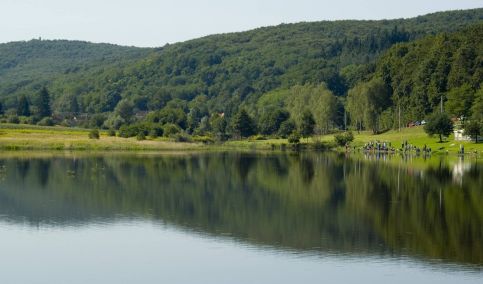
228	217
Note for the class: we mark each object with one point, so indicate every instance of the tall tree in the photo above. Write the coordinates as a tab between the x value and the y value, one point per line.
307	124
460	100
74	105
23	107
43	103
219	127
474	129
440	124
378	99
125	110
243	124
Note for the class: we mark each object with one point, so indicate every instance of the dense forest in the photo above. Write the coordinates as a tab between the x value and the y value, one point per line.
306	77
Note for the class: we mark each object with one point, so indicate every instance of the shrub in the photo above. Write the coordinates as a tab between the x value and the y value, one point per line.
170	130
14	119
111	132
94	134
141	136
27	119
286	128
342	139
258	137
132	130
203	139
46	121
181	137
156	131
294	138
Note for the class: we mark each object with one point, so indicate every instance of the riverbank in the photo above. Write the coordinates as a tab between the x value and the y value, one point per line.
31	137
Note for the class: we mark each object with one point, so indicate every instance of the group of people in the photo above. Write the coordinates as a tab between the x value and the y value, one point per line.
376	146
386	147
408	148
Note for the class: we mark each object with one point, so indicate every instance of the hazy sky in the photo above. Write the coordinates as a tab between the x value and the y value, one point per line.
154	23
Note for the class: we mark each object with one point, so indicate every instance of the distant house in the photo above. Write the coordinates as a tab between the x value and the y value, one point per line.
459	136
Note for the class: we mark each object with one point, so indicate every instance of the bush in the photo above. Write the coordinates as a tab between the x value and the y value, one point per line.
132	130
286	128
294	138
94	134
171	129
111	132
181	137
46	121
14	119
141	136
156	131
27	119
342	139
203	139
258	137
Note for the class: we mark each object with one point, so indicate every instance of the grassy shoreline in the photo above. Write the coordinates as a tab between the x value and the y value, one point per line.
30	137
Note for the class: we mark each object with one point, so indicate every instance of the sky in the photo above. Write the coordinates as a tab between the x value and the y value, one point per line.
151	23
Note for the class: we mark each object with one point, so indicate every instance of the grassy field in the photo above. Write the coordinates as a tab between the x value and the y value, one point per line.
415	136
29	137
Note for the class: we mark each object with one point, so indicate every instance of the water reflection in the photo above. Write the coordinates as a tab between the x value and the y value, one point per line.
318	203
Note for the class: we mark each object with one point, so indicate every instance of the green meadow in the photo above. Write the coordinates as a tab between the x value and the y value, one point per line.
30	137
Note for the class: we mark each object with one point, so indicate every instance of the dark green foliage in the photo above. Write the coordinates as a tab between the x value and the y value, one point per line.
94	134
111	132
243	124
439	124
170	129
422	72
286	128
156	131
23	107
132	130
43	103
474	128
97	120
460	100
46	121
2	111
226	68
169	115
266	71
74	105
141	136
307	124
220	127
13	119
271	121
181	137
125	110
342	139
294	138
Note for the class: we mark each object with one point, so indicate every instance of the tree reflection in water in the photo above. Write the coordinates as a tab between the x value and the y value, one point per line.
430	209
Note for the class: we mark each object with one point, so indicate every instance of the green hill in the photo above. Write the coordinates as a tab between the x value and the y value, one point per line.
213	74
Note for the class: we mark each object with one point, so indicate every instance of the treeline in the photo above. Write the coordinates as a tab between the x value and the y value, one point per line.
291	79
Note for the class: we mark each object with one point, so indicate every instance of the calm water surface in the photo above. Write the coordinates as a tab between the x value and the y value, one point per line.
239	218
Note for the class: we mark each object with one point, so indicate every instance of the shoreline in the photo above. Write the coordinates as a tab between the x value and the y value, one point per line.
15	137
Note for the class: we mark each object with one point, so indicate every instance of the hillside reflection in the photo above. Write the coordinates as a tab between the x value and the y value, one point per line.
305	202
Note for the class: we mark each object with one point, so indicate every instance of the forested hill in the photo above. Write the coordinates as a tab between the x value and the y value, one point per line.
37	62
185	82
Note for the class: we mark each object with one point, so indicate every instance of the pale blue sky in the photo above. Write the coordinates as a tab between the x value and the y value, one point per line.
154	23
